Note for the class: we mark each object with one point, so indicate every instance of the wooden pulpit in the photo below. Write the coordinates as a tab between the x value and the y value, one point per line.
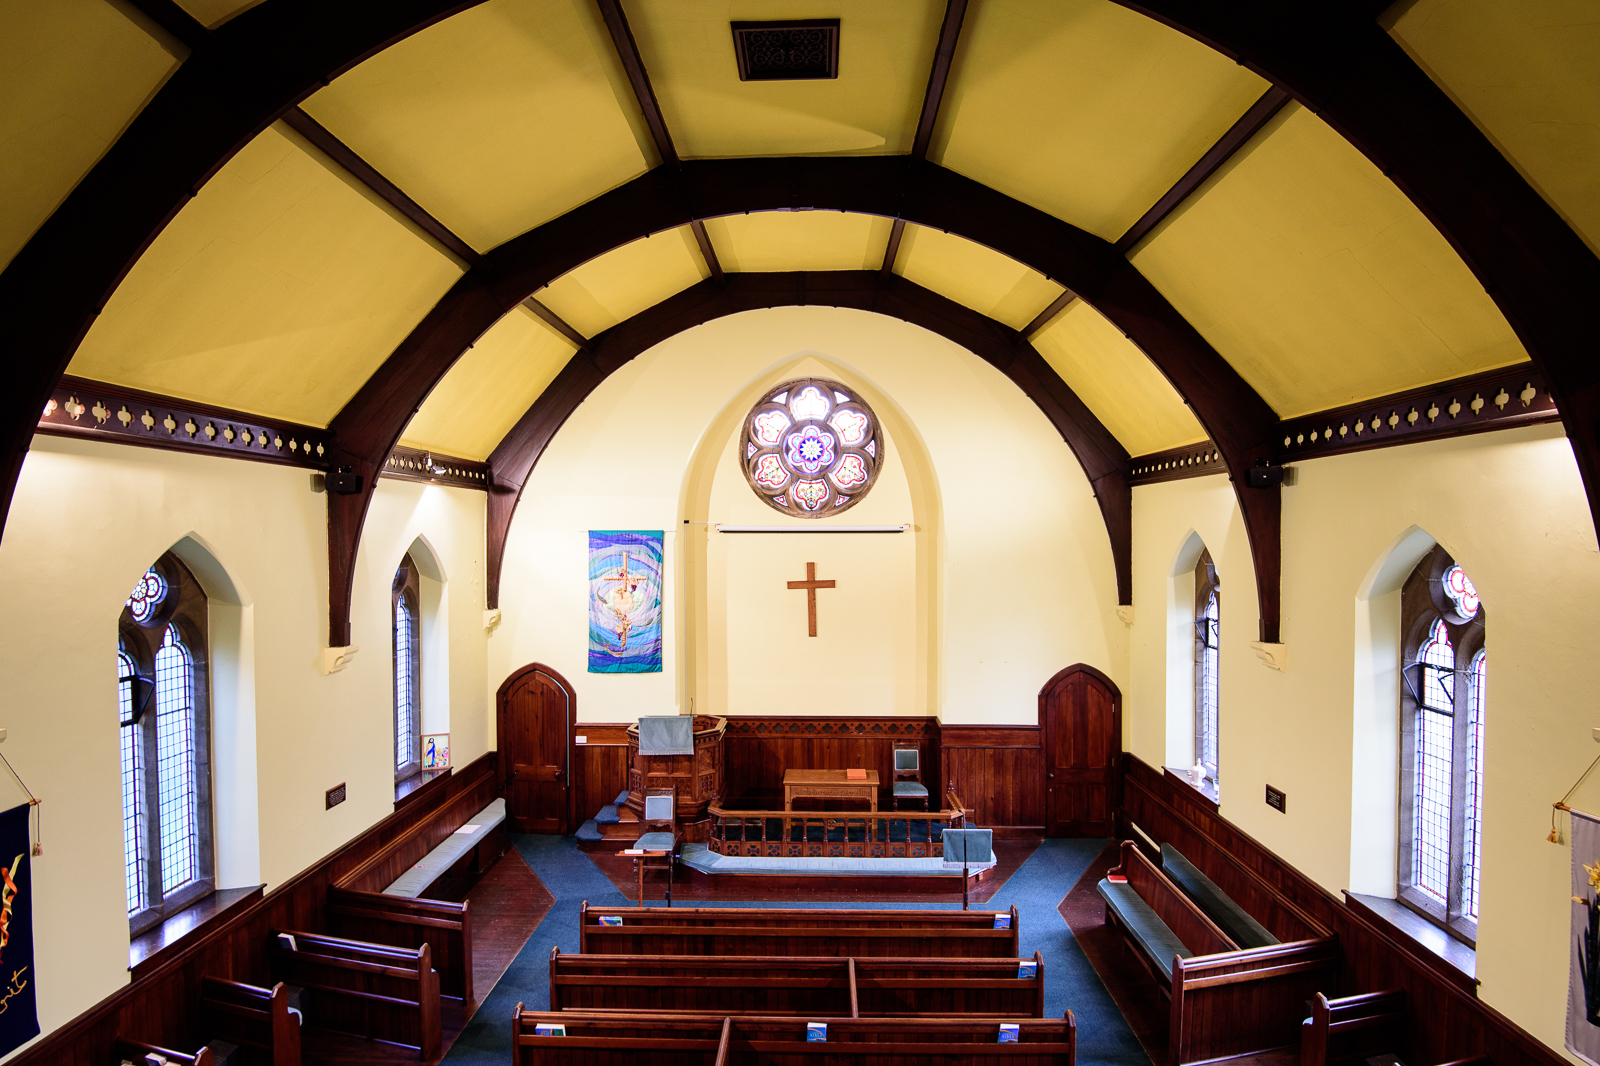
685	757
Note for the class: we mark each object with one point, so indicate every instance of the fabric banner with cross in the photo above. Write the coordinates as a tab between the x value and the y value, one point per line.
19	1011
1583	975
625	601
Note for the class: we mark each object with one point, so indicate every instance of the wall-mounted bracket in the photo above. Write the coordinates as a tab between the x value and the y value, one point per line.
336	659
491	620
1275	656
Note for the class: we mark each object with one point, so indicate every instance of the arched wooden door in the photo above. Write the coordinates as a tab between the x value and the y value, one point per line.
1080	711
535	709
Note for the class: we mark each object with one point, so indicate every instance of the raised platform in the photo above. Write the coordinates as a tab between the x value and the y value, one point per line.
822	873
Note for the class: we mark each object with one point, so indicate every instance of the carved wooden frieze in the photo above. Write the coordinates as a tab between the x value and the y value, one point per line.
415	464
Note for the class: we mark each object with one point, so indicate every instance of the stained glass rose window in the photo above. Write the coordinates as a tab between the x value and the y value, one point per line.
811	448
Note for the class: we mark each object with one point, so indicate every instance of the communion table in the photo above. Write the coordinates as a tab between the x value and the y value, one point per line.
828	784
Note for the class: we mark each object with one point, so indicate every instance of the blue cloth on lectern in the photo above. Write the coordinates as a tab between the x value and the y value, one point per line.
969	845
669	734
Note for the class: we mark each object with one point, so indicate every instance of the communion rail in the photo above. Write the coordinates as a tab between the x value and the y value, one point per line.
844	834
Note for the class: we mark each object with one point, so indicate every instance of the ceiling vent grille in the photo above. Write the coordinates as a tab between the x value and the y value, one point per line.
802	49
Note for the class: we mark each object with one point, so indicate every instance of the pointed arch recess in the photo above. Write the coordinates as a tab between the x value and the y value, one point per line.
1104	460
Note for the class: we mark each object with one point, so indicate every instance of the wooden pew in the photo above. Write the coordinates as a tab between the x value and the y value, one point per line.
252	1017
713	1040
377	991
1224	1001
133	1051
358	908
1352	1027
815	987
797	933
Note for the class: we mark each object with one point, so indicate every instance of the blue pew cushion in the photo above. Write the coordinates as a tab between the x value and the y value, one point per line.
655	842
416	880
909	788
1154	936
1218	906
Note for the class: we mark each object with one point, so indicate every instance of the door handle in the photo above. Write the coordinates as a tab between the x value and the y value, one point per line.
558	775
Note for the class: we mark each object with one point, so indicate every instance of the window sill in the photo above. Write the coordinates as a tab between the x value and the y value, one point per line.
1206	791
1446	955
171	935
407	787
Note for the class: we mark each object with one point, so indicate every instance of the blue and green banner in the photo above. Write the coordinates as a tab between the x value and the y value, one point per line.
625	601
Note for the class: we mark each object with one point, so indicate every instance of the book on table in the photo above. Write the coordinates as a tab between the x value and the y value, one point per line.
855	775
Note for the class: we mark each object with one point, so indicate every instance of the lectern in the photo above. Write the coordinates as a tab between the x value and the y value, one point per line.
966	848
679	752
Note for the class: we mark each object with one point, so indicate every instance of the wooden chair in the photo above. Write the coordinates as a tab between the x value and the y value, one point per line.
908	763
658	846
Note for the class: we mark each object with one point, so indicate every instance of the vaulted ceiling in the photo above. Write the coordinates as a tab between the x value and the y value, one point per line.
284	284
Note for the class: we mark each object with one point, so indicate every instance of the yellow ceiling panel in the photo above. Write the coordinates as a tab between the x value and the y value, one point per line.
213	13
885	50
278	290
73	73
1083	108
618	285
494	120
971	274
1118	381
489	388
1318	280
1529	75
799	240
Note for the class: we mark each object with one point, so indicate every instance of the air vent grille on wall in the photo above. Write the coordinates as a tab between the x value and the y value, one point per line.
794	50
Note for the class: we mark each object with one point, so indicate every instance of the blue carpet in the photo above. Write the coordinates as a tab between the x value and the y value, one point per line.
1036	889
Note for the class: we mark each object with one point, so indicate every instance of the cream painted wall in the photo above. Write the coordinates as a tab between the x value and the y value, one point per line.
1511	508
1024	584
87	519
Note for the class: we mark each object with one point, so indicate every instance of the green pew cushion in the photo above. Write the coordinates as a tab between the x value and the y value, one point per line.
416	880
909	788
1219	907
1154	937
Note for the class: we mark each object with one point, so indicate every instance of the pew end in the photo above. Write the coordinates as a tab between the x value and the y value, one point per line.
1350	1028
376	991
257	1019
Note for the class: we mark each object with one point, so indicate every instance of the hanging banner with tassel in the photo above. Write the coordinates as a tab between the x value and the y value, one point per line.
1583	980
19	1009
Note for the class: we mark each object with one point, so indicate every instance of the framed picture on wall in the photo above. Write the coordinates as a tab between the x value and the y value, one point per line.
435	751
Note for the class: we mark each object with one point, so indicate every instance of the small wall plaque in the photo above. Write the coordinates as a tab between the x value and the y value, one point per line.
1277	800
335	796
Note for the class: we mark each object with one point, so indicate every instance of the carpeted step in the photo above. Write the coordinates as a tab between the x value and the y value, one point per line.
622	797
589	833
607	816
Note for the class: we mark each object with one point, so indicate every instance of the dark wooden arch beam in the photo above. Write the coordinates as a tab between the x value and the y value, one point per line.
252	69
1337	61
1234	416
1103	458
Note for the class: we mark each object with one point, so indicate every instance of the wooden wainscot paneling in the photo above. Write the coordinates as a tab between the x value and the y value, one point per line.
998	771
599	766
758	750
162	1005
1445	1021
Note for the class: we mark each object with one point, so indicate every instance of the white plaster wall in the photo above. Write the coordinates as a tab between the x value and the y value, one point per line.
1510	507
87	519
1027	580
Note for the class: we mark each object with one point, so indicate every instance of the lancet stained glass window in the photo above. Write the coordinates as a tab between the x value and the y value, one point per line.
811	448
406	600
163	710
1445	672
1207	664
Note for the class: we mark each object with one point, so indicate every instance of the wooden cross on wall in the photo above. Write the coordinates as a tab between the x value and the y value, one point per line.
811	585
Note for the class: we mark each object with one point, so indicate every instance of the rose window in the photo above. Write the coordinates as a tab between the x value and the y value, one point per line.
811	448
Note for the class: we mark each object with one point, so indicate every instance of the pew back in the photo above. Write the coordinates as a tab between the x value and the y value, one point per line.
444	926
377	991
815	987
255	1018
797	933
712	1040
1198	933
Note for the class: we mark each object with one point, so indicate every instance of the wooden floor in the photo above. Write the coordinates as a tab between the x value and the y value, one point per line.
1131	989
851	889
508	903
